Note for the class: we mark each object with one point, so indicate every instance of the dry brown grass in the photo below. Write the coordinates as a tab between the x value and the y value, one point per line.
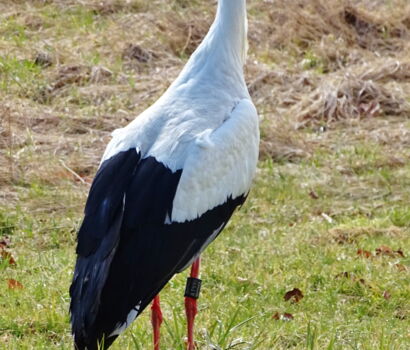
348	235
316	62
357	92
99	63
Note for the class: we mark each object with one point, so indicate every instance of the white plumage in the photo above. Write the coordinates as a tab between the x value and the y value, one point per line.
205	123
220	164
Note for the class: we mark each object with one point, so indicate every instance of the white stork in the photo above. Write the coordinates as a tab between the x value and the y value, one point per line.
167	185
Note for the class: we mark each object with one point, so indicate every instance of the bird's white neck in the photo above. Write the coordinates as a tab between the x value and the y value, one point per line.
230	28
222	53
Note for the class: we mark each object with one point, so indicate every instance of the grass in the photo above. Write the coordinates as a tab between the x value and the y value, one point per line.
331	183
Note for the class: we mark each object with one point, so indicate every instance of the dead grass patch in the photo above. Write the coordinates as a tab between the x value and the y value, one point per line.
279	138
328	64
36	142
185	34
356	93
109	7
312	63
304	24
350	235
280	141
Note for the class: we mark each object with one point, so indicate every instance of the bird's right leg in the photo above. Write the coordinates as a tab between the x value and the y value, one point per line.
156	320
192	290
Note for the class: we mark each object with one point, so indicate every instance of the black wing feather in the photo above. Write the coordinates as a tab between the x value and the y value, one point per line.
126	251
105	198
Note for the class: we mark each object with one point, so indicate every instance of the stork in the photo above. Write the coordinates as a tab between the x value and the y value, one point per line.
166	187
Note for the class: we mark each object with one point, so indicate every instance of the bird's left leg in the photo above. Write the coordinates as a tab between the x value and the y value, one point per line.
192	289
156	320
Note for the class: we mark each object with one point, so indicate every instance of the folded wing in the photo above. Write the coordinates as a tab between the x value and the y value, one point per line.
143	223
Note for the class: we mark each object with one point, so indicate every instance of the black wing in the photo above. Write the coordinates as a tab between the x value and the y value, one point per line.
126	250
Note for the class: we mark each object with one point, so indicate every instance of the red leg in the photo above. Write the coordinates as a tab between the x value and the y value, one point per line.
191	295
156	320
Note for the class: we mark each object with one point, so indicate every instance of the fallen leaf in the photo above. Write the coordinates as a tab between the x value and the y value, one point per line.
364	253
386	250
5	255
386	295
13	284
401	267
4	243
313	195
294	295
276	316
399	252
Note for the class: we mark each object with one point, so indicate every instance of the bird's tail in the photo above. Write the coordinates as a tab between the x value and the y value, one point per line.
103	344
85	291
90	275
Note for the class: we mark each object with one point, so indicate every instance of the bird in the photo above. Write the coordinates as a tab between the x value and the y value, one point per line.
166	187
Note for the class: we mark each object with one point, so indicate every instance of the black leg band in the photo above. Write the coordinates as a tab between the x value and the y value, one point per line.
193	287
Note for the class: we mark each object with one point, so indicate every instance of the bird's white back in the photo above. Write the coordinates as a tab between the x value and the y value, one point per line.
200	102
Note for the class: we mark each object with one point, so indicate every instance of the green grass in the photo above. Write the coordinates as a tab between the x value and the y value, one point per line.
276	242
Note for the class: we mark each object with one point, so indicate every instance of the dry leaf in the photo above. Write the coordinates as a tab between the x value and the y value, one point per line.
7	256
386	295
13	284
294	295
313	195
364	253
399	252
4	254
401	267
386	250
4	243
